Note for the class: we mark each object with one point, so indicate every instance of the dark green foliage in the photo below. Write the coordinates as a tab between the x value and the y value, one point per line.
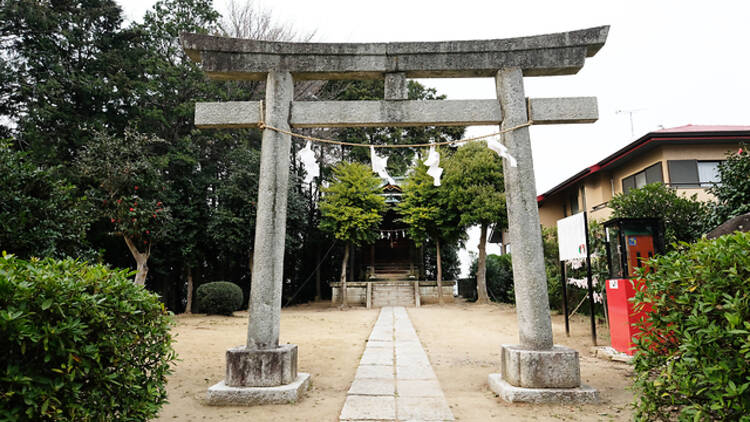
40	213
499	277
219	298
693	360
683	217
80	343
72	69
473	181
733	193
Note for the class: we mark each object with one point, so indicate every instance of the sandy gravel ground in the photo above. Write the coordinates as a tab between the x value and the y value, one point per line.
462	341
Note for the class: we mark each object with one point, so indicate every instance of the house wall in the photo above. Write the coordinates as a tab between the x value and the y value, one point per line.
599	188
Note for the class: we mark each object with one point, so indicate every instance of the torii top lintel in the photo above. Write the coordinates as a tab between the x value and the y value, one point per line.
540	55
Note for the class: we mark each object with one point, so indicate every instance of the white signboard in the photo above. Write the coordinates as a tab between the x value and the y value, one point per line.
571	237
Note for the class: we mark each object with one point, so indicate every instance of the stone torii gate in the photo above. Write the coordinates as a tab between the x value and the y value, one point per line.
263	371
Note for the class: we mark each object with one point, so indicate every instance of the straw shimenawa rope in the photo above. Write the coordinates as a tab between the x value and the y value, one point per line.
262	125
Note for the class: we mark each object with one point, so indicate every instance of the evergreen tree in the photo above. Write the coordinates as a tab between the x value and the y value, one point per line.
473	180
422	210
351	209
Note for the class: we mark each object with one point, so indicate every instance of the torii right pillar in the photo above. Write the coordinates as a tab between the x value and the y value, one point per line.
535	370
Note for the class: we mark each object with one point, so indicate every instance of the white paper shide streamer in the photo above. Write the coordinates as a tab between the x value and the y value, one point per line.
379	164
432	161
495	145
307	157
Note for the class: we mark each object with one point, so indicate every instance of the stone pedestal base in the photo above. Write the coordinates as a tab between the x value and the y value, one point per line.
261	368
540	376
554	368
512	394
223	395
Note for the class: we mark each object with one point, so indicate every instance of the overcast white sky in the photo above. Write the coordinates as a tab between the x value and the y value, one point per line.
669	62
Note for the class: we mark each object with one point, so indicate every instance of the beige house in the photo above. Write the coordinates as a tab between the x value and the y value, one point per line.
684	157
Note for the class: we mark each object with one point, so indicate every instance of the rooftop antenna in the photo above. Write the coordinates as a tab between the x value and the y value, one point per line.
630	113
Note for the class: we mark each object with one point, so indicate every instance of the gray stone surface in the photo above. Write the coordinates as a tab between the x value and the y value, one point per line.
305	114
414	392
583	394
372	387
261	368
549	54
369	408
395	86
555	368
229	114
415	373
270	232
374	372
423	409
419	388
223	395
377	356
529	277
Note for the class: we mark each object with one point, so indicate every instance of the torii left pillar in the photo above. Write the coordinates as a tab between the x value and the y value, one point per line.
263	371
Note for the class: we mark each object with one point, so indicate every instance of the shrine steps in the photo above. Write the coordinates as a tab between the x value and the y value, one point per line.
393	294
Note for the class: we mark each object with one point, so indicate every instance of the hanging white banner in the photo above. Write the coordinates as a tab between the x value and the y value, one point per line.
571	237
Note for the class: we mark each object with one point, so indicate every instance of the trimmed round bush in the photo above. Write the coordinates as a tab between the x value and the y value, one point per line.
80	342
219	298
693	354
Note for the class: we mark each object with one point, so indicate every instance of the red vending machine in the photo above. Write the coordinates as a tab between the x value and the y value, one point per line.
630	241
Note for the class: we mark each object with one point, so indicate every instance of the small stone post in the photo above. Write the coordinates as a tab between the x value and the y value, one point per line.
535	370
262	362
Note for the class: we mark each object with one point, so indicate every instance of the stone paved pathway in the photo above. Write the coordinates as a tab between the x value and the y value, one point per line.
395	381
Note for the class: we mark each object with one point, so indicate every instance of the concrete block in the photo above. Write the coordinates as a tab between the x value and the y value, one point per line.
424	409
224	395
372	387
415	373
512	394
374	372
396	86
261	368
377	356
369	408
555	368
418	388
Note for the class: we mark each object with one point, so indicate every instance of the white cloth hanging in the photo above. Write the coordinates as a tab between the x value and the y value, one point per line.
432	161
307	157
495	145
379	164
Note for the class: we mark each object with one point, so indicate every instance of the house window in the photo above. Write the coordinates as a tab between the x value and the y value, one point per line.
651	174
573	201
693	173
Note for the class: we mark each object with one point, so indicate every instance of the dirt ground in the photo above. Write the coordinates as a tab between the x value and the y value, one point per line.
462	341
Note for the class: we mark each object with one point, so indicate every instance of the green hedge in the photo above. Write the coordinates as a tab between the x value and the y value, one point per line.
693	360
219	298
80	342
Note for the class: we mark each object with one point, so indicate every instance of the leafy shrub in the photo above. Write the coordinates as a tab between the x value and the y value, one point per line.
693	356
733	193
79	342
684	218
499	277
219	298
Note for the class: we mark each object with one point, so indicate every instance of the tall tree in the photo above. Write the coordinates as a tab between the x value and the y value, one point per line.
69	67
422	210
351	209
475	191
129	190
